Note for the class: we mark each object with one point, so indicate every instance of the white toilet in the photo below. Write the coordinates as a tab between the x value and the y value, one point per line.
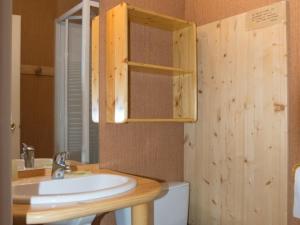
170	209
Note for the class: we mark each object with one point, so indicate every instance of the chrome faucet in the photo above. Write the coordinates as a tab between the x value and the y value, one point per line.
59	166
28	155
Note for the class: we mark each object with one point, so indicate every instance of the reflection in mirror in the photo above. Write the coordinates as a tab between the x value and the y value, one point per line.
57	81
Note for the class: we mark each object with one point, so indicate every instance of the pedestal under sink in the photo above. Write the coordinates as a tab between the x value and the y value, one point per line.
71	189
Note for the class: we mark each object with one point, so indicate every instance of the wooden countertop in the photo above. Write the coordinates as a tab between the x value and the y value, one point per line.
145	191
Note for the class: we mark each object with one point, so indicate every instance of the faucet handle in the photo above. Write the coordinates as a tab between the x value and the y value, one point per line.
28	155
27	147
60	166
67	155
24	147
68	168
61	157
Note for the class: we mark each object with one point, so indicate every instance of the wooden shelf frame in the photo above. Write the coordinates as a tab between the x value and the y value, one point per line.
158	68
118	65
150	18
179	120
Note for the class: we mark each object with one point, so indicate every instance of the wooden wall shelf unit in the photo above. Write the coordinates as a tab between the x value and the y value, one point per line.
118	65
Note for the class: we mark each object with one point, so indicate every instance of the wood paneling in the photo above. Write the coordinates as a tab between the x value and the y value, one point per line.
203	11
154	150
236	155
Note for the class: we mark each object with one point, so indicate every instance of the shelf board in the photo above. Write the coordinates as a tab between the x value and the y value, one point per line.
179	120
150	18
159	68
119	68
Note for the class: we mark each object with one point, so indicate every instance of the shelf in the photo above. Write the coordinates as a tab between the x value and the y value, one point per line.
183	71
153	19
158	68
179	120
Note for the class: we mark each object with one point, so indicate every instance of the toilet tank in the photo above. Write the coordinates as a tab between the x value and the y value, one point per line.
170	209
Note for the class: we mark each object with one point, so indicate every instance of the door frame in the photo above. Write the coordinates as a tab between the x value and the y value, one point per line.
5	86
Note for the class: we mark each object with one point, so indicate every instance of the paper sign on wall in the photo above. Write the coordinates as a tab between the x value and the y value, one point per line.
263	17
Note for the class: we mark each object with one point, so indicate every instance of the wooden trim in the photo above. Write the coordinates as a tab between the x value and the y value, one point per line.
15	86
180	120
185	87
152	67
37	70
140	214
95	68
116	70
150	18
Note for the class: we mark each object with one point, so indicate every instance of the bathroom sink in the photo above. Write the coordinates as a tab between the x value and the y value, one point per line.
70	189
38	163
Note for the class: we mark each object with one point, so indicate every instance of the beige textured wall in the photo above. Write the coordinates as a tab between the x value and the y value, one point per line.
64	6
203	12
150	149
5	67
37	48
37	31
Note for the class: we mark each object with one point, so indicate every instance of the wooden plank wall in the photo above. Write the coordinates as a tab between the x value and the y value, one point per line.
203	12
236	154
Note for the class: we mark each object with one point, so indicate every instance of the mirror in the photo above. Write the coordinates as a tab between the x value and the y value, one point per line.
55	82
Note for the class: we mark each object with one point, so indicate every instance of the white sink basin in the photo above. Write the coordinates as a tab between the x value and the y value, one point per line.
72	189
